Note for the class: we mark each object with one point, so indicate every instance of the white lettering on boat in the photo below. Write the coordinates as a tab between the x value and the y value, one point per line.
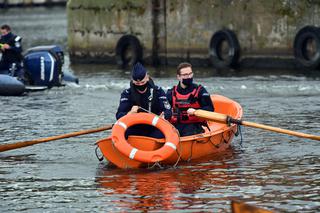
52	67
42	68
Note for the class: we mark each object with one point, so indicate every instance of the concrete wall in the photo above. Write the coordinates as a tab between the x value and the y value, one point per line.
14	3
184	28
94	26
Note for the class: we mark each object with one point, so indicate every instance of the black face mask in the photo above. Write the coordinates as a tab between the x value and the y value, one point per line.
187	81
141	87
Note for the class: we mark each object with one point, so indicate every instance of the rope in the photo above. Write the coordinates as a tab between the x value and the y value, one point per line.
229	133
241	139
156	164
237	133
176	163
215	145
178	153
143	109
189	158
99	158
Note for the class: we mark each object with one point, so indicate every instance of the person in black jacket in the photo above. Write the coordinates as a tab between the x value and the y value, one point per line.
185	98
143	96
11	49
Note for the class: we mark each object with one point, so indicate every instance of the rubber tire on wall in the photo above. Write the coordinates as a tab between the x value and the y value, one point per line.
125	42
215	51
300	43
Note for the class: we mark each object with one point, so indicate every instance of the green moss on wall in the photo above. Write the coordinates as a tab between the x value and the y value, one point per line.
189	24
137	6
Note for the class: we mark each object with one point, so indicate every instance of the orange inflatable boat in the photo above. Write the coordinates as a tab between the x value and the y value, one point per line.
141	151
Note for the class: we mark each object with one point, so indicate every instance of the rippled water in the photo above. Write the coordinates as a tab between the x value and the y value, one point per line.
270	170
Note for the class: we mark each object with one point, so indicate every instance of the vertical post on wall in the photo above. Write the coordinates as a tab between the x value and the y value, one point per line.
5	3
159	44
164	12
164	31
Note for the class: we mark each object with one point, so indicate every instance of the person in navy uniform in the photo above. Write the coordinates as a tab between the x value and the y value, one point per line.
11	49
143	96
185	98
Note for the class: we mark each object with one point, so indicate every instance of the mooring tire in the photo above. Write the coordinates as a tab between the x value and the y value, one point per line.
216	52
128	51
304	54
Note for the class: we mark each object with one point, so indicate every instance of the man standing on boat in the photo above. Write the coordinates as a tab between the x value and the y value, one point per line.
143	96
11	49
185	98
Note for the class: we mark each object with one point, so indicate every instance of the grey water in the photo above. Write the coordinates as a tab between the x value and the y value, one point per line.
270	170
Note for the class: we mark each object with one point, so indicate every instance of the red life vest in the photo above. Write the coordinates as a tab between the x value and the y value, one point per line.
181	103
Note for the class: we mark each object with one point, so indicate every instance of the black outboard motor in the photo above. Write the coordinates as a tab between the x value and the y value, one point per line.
43	65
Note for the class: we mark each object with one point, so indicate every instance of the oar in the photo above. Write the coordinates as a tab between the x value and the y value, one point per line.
222	118
6	147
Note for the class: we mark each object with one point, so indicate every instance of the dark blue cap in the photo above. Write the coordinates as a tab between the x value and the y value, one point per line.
138	72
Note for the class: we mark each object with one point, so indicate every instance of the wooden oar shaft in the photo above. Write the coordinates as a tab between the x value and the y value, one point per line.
214	116
6	147
222	118
279	130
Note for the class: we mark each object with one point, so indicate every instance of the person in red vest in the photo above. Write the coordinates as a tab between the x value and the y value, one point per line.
185	98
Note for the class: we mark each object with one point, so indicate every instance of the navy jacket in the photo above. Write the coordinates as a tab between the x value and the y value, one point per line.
130	97
14	54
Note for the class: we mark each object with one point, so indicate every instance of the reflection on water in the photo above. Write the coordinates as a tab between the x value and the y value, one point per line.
191	186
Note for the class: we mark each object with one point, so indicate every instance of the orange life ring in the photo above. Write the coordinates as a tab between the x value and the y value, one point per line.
120	142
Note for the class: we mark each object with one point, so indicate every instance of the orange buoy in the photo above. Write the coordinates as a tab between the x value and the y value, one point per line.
120	142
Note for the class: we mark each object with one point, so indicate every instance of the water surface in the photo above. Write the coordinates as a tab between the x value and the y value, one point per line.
270	170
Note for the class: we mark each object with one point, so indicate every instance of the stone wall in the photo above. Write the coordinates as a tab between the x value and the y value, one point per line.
22	3
173	30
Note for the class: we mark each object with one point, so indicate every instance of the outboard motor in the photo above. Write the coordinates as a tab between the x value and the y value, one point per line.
43	65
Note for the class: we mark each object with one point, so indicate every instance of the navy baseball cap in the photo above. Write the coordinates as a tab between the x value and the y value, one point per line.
138	72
